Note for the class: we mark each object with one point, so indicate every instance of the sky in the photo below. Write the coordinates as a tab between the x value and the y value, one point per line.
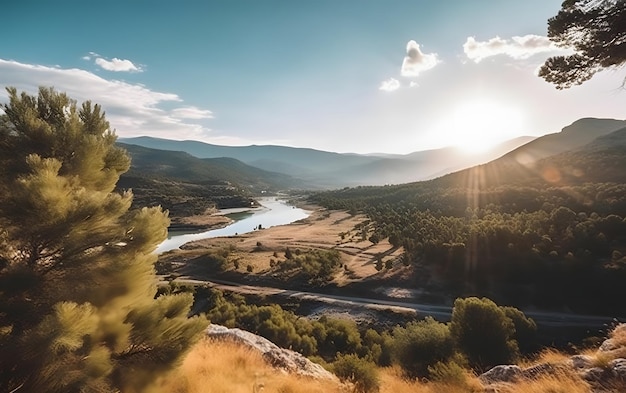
361	76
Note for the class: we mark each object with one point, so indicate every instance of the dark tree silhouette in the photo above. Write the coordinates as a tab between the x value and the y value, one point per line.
596	30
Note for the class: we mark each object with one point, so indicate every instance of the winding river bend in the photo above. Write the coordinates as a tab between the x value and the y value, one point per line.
272	212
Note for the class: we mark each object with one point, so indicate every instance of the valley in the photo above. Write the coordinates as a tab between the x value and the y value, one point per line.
313	197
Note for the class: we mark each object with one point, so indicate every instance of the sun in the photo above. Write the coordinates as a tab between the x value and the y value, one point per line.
476	126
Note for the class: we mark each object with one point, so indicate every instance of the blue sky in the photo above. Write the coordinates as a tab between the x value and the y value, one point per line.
340	75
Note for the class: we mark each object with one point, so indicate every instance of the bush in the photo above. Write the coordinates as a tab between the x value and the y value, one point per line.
360	372
420	345
483	332
451	372
525	329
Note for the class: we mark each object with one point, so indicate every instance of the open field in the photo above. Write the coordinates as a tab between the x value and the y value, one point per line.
323	229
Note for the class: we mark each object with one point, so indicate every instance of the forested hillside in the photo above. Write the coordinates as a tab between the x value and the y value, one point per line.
186	185
549	233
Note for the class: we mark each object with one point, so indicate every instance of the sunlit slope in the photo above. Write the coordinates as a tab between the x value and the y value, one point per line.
576	155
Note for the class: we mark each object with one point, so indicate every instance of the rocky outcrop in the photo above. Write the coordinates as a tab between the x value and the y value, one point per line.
604	371
279	358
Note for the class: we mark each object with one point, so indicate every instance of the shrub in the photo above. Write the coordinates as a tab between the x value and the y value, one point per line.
483	332
360	372
420	345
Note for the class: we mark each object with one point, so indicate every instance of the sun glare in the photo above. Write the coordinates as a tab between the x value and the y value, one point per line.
477	126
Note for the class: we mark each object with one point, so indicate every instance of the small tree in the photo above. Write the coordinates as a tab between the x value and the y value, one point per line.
596	30
361	373
420	345
483	332
77	282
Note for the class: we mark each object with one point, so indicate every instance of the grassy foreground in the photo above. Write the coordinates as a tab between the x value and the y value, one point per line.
224	367
227	367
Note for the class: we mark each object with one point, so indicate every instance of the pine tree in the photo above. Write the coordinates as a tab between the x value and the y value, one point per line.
77	283
596	31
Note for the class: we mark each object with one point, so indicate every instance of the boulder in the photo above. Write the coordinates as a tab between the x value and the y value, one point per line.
279	358
502	373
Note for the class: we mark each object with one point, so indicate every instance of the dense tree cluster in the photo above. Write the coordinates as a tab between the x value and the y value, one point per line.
313	266
520	239
77	284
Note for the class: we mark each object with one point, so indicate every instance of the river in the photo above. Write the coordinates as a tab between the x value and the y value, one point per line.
273	211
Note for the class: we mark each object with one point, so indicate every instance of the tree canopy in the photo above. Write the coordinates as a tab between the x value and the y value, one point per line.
595	30
77	282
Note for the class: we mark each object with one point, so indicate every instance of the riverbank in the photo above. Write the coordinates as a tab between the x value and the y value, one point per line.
322	229
200	222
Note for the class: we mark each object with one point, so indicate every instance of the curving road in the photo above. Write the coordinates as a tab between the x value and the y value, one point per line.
441	313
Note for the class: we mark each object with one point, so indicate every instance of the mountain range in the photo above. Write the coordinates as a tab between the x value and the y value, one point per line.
280	167
289	167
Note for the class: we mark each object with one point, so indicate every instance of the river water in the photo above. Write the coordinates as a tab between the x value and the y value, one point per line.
273	211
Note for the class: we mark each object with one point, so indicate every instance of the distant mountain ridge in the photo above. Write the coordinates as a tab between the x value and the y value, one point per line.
588	150
185	167
325	169
577	134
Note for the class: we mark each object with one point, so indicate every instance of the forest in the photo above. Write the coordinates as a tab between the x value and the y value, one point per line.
511	232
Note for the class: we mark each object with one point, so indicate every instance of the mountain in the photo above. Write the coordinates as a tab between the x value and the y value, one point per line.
185	167
321	169
186	185
589	150
577	134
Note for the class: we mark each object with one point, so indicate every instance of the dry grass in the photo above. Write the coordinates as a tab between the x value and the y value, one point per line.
392	381
223	367
618	335
547	355
561	382
219	367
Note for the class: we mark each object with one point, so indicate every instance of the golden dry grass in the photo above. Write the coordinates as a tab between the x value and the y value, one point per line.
560	382
224	367
547	355
618	335
221	367
392	381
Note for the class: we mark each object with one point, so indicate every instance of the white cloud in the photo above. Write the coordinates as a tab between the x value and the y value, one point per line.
417	61
131	109
117	65
390	84
191	112
518	47
413	84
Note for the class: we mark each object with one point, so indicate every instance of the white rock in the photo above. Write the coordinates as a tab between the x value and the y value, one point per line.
280	358
502	373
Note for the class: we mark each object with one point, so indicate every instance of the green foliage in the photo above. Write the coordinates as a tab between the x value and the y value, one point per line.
360	372
451	372
523	241
525	329
314	266
77	284
595	30
421	344
325	337
483	332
